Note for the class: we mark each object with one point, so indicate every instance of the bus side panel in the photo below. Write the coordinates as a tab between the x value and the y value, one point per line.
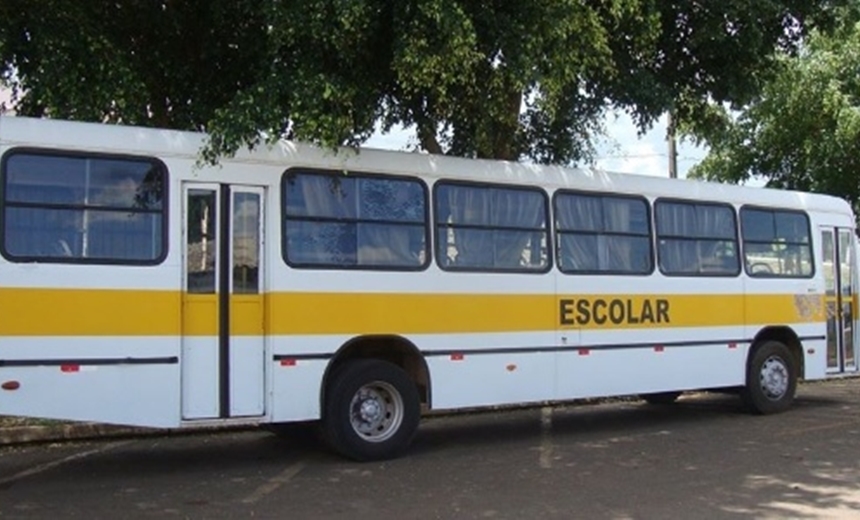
630	364
491	379
794	303
296	389
132	381
471	370
814	359
298	366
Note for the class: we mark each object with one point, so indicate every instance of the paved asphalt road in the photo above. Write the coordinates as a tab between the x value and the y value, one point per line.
701	458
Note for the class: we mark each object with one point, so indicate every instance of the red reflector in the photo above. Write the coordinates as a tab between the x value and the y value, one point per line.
288	362
584	352
810	351
457	356
10	385
70	368
733	345
658	348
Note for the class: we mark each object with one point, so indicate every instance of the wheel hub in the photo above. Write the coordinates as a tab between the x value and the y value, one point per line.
774	378
376	411
370	409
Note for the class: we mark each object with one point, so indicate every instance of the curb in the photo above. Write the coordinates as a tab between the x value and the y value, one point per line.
67	432
62	432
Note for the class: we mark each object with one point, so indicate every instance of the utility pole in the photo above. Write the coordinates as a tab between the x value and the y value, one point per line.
673	154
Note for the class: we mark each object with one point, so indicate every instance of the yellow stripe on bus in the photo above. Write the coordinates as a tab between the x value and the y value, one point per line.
79	312
386	313
370	313
88	312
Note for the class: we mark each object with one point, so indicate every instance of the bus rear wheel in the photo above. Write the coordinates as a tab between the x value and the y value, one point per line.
771	379
371	410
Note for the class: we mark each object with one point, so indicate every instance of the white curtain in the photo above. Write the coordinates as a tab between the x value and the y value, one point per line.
517	209
696	238
398	237
349	220
491	227
602	234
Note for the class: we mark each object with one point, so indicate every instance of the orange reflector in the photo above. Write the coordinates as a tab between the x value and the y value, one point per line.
10	385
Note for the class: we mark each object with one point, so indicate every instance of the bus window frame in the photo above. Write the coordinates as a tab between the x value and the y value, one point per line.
547	229
650	236
697	202
295	170
774	209
80	154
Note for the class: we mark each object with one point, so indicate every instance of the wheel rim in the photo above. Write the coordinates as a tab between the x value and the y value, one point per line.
376	411
774	378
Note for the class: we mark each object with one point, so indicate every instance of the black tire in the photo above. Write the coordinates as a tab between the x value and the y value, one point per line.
661	398
771	379
371	410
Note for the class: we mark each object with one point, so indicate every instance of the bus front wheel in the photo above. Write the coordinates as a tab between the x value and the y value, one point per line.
371	410
771	379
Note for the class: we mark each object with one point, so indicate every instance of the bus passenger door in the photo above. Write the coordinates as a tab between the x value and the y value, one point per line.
223	342
840	278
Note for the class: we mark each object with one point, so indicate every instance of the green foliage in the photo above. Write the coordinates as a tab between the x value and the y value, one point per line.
142	62
803	131
475	78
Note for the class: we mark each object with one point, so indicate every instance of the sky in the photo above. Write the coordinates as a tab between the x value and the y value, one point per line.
623	150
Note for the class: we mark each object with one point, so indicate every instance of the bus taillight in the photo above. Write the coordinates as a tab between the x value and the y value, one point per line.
10	385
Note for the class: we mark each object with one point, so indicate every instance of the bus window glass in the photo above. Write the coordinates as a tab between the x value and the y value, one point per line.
791	227
246	243
696	239
354	221
845	262
83	209
323	196
757	225
776	243
828	248
491	228
600	234
202	241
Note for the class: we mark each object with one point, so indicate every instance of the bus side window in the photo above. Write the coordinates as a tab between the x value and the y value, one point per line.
603	234
355	221
57	206
696	238
777	243
484	227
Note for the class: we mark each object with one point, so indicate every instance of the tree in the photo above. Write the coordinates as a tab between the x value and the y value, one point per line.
475	78
153	63
803	131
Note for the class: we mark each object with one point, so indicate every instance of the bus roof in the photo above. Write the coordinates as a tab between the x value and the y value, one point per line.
109	138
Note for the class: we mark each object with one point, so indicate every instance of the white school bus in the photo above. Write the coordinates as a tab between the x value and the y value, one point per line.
293	283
